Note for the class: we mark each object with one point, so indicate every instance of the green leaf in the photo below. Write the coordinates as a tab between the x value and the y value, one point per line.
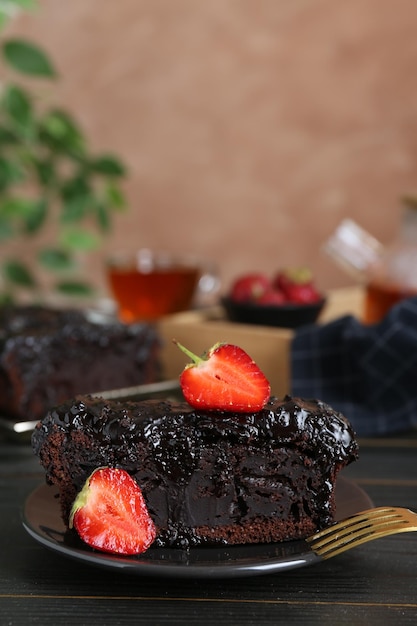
55	259
24	215
36	216
114	196
45	171
103	218
9	5
18	274
6	229
74	210
6	299
77	199
108	165
16	208
75	188
60	133
18	106
77	239
27	58
10	173
74	288
20	209
25	4
7	137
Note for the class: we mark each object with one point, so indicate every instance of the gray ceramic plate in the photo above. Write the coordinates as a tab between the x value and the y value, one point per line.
42	520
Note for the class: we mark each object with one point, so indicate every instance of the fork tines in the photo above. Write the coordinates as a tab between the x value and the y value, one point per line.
360	528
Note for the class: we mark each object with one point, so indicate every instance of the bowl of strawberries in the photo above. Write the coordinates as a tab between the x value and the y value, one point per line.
289	299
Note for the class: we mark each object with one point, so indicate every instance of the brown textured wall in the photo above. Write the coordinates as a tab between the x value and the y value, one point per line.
251	128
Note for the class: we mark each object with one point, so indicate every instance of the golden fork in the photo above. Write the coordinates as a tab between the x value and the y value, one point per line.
360	528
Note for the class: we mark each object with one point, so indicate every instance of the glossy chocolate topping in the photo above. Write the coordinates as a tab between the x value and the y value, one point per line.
306	423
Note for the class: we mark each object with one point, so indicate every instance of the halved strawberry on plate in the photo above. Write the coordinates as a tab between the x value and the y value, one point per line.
110	513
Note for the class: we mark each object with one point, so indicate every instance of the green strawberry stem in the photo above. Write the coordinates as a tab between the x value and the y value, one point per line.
196	359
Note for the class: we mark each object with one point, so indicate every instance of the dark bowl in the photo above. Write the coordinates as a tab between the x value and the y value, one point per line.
285	315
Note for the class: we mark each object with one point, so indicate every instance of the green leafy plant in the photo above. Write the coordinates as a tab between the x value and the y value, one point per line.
56	198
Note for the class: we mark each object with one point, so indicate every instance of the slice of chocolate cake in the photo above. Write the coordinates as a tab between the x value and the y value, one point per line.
49	355
207	477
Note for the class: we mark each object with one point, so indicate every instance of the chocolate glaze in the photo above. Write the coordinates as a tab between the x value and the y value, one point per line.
206	476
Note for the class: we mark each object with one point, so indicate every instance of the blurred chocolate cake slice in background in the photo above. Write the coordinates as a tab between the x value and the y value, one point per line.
48	355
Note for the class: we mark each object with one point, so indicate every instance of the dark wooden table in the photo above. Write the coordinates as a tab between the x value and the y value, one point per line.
373	584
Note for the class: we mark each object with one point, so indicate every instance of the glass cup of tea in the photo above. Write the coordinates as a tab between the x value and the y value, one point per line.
149	284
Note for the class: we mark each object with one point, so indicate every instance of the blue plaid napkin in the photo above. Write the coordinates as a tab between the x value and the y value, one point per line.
369	373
